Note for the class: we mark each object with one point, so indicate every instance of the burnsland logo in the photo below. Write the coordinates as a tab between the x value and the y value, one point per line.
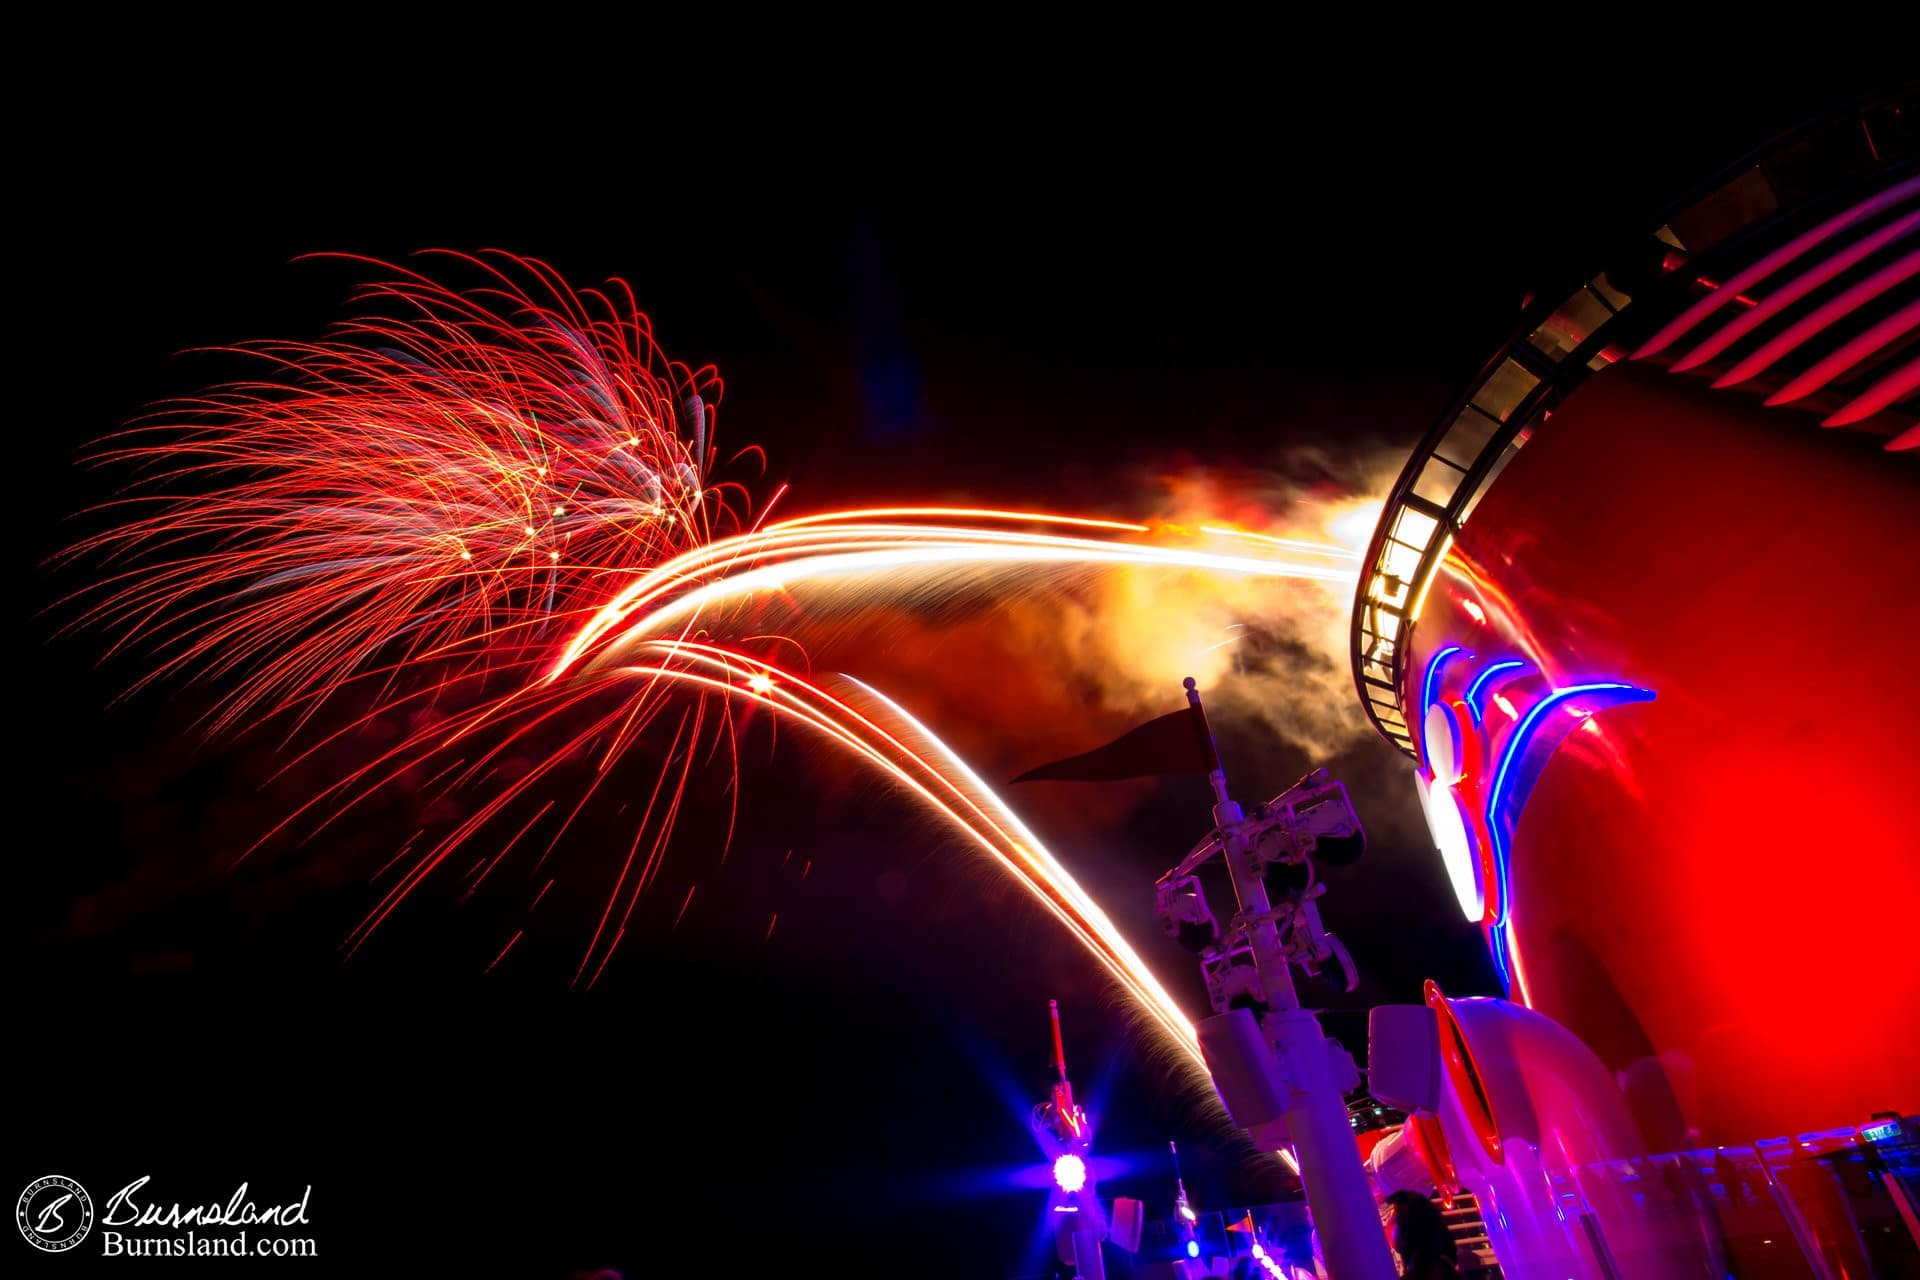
54	1213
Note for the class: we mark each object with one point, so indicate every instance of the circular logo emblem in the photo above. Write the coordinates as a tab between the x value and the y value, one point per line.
54	1213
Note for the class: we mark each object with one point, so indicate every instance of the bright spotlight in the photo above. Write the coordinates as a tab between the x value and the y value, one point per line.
1070	1172
1193	1248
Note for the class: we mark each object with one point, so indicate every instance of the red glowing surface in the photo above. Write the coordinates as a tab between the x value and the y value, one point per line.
1710	889
1429	1142
1465	1074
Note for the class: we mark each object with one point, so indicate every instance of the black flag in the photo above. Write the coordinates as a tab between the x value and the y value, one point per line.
1177	742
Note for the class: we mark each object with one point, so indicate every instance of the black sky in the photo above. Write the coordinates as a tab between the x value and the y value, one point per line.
965	291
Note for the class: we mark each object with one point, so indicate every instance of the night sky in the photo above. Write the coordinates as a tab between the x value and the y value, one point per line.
912	295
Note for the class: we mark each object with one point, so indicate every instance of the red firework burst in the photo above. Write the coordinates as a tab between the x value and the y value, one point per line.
448	476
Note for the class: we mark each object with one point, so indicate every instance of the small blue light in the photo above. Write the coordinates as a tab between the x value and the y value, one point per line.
1193	1248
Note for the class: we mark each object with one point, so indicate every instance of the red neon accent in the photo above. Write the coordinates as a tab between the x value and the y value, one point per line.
1908	439
1712	285
1429	1142
1822	316
1799	287
1467	1085
1896	385
1059	1048
1848	354
1780	257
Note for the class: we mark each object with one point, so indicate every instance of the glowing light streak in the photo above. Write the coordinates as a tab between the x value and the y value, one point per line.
783	555
962	513
1330	550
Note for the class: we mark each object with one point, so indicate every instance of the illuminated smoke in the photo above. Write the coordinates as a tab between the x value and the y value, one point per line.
1272	652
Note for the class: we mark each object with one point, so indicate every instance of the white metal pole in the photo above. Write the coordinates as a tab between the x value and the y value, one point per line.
1344	1214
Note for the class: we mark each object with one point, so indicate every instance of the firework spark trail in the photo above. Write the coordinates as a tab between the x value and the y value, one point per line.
930	771
432	505
847	545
